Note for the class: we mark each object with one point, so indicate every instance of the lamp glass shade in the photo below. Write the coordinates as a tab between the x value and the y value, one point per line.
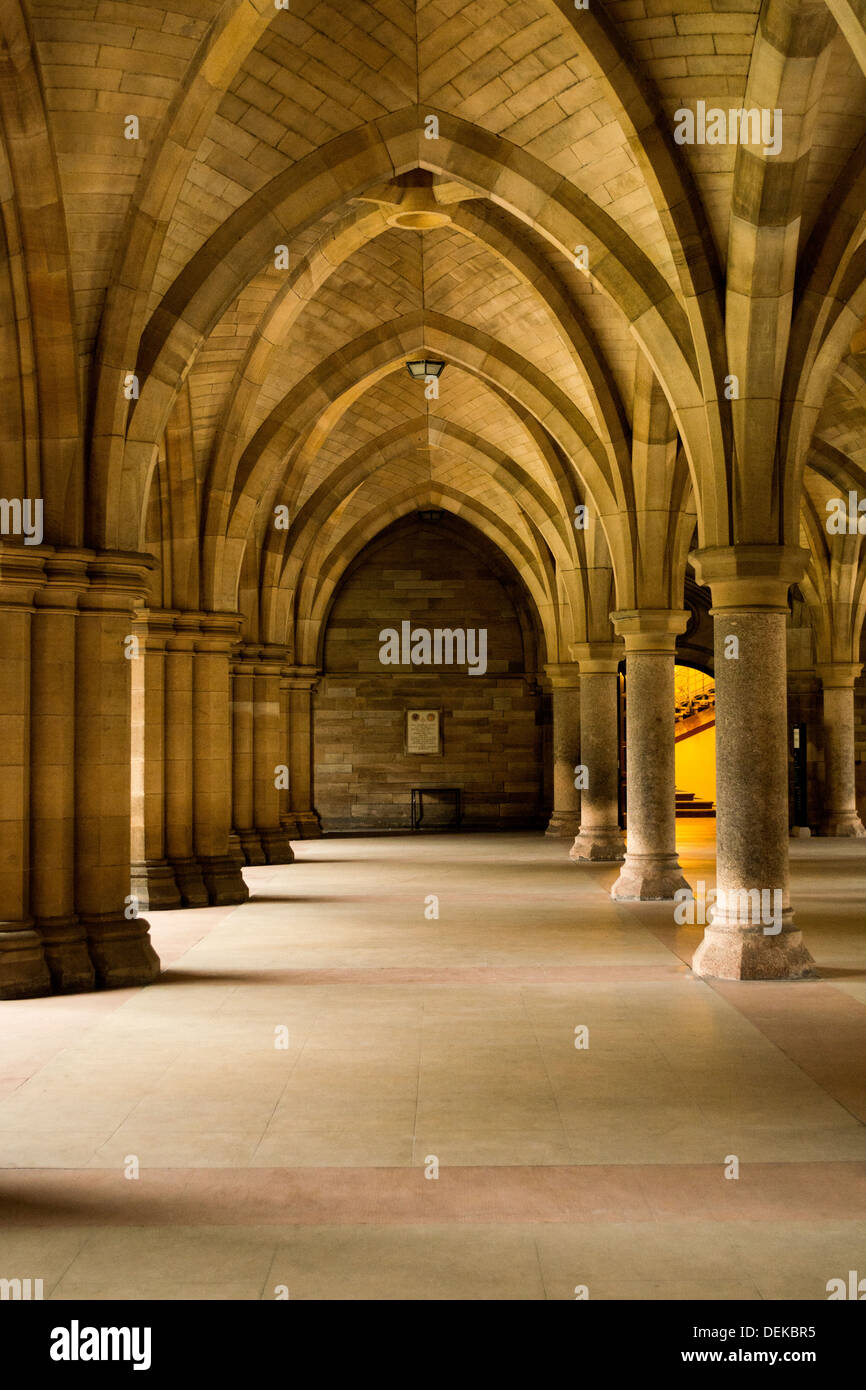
425	368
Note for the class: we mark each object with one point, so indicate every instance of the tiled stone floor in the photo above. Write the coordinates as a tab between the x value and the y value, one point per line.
409	1038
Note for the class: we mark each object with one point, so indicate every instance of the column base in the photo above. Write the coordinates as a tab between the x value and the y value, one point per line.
847	825
747	954
648	878
121	952
309	825
602	846
251	847
153	883
277	847
23	969
223	880
66	955
190	884
564	823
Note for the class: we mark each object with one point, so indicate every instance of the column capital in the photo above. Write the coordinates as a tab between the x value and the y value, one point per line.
21	574
650	630
244	659
218	632
563	675
839	675
116	581
261	659
155	625
271	652
126	573
597	658
65	580
301	677
750	577
187	627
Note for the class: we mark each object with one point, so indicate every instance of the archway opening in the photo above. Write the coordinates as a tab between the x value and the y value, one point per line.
695	743
430	659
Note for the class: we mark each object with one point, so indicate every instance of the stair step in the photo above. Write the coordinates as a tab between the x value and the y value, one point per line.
693	807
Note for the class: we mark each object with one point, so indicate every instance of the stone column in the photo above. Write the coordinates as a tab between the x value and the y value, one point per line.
651	872
804	708
267	757
600	838
749	585
287	821
565	699
302	681
179	760
153	881
212	735
117	939
840	804
23	969
243	737
52	773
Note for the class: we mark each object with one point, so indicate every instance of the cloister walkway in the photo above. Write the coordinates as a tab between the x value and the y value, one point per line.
313	1058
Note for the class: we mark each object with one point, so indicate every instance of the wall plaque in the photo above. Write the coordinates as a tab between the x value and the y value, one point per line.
422	731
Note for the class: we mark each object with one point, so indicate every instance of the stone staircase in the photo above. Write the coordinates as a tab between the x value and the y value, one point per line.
691	807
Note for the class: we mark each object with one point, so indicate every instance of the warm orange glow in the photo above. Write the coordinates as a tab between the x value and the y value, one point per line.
695	749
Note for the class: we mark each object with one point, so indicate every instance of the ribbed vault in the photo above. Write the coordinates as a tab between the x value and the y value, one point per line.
593	286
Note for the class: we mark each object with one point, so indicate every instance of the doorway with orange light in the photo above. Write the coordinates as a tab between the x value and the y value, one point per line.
695	743
694	746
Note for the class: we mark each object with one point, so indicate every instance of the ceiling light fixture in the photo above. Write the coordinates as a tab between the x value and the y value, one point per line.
415	202
426	367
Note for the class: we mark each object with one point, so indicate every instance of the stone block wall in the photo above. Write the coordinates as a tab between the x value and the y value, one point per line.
860	744
492	734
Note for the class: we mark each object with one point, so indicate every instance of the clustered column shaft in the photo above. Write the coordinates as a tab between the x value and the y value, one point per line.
599	838
153	879
259	766
565	696
748	938
179	780
840	791
651	870
23	968
304	820
52	775
117	939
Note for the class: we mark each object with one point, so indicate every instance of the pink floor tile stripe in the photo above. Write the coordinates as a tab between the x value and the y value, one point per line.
398	1196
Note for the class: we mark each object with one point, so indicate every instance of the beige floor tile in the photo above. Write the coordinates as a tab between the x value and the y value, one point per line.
352	1146
453	1038
423	1263
497	1148
160	1146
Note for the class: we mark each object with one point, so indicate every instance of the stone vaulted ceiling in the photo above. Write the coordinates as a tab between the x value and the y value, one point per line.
593	286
